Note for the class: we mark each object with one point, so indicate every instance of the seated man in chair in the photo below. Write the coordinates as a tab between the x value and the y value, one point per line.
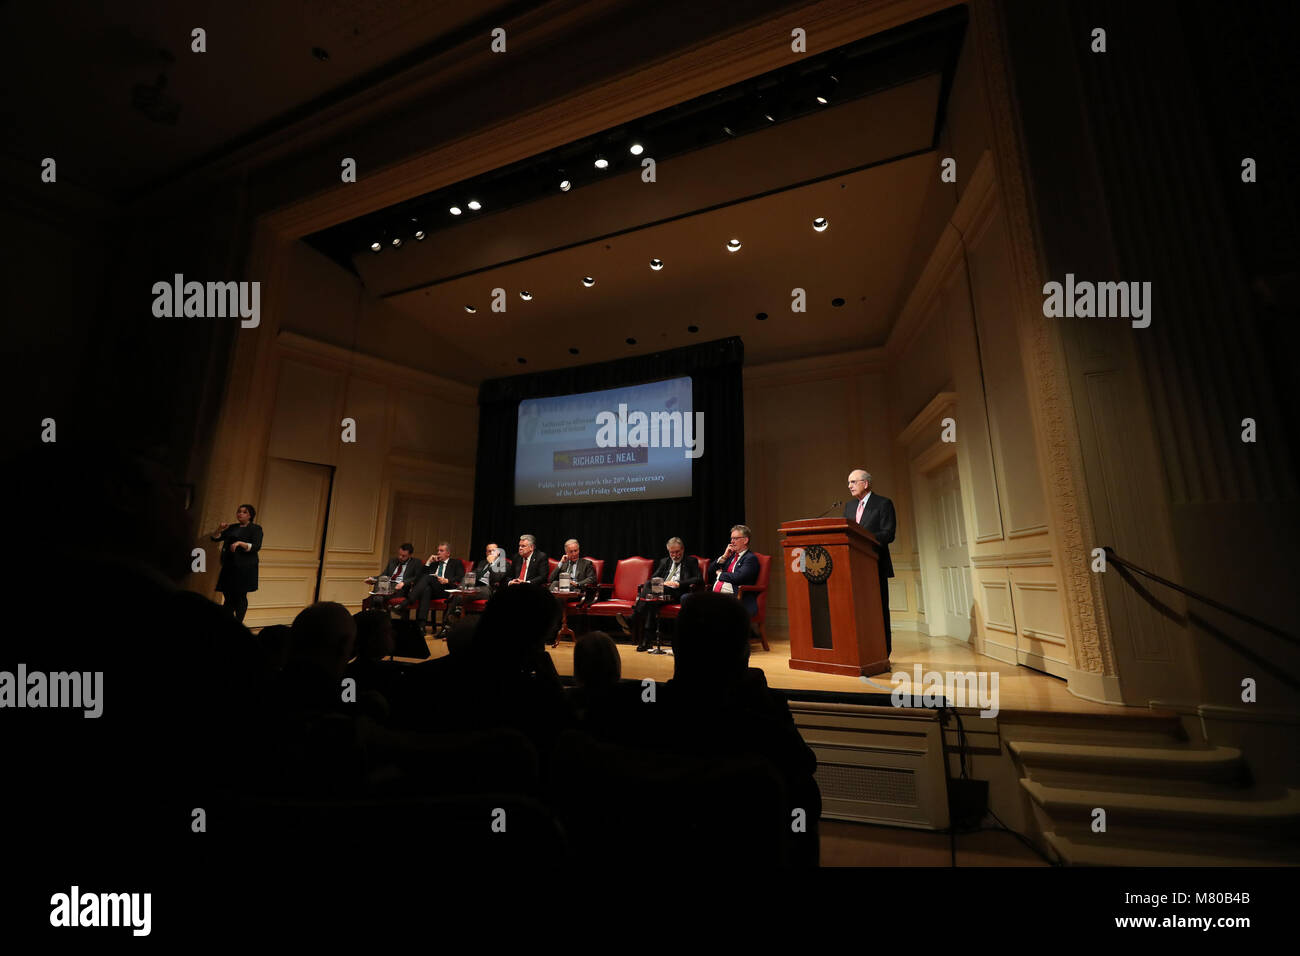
681	575
735	567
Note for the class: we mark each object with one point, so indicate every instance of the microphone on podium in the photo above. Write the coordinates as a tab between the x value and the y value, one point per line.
838	504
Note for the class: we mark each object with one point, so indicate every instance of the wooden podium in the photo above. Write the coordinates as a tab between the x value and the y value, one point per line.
836	623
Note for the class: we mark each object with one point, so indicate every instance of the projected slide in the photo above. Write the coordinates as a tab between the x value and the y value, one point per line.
620	444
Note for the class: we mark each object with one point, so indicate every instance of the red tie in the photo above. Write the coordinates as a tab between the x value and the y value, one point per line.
862	506
523	568
731	567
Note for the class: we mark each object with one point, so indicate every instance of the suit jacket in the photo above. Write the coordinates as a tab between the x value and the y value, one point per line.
538	570
583	573
688	574
414	571
746	572
455	571
878	518
496	570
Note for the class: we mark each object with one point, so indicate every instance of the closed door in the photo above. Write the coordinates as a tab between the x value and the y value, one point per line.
295	499
951	554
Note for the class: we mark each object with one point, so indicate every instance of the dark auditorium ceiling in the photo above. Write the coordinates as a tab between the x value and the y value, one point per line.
866	163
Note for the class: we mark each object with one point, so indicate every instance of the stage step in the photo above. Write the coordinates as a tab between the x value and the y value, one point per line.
1175	764
1238	810
1078	852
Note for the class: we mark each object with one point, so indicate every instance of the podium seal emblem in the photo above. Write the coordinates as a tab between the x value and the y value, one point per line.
817	564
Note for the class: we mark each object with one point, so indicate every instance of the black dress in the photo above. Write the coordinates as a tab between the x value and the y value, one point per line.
239	568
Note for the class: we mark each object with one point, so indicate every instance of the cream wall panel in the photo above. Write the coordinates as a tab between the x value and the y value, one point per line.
355	513
1011	424
305	426
974	450
293	500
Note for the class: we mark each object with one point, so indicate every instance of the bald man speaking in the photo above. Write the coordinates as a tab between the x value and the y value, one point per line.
874	513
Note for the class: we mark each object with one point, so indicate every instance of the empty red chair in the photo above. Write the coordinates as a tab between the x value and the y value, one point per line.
629	575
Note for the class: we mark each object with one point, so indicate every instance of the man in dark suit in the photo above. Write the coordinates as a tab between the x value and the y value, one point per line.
874	513
681	576
403	572
735	567
531	566
487	574
441	572
581	571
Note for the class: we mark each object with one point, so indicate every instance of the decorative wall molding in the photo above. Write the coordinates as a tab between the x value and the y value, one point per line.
1052	405
377	368
1020	559
816	368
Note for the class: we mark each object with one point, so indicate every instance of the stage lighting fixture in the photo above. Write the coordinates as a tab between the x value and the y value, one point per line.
826	90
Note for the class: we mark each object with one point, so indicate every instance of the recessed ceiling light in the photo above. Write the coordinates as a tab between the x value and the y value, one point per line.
573	351
631	341
636	149
397	241
656	264
761	316
692	328
837	302
521	360
475	205
320	53
733	245
526	296
454	210
375	247
602	162
820	224
588	281
419	234
470	309
565	185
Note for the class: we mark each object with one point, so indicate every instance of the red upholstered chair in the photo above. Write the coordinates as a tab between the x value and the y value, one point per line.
552	564
629	575
669	611
759	588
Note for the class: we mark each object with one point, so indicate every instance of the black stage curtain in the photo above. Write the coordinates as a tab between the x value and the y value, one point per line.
619	529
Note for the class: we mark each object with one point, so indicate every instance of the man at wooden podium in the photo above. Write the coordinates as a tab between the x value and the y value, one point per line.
874	513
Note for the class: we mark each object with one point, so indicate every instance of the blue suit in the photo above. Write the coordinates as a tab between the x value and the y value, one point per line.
745	572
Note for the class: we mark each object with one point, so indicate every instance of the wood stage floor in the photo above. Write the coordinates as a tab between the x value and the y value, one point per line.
1020	688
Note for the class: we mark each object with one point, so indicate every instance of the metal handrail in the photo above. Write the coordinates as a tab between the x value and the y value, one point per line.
1218	606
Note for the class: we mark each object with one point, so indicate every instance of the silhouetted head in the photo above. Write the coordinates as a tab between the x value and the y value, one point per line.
323	637
596	663
712	643
273	643
517	623
374	634
461	635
